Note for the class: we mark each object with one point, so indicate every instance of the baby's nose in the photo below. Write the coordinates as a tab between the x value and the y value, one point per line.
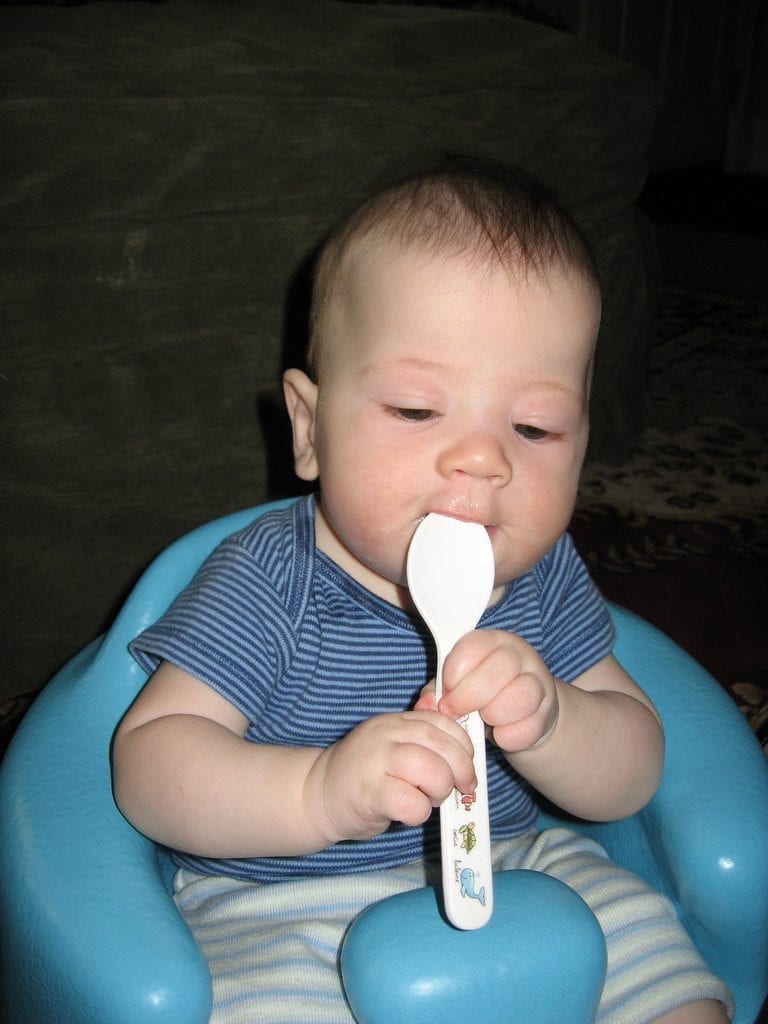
480	455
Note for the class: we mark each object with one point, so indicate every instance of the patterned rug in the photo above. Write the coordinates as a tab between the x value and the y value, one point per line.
679	532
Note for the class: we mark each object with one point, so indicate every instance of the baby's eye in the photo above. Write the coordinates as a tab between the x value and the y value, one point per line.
412	415
531	433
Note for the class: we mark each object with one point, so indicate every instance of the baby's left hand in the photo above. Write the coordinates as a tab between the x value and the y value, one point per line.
500	675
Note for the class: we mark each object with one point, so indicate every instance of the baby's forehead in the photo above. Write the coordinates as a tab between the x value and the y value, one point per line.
374	263
379	273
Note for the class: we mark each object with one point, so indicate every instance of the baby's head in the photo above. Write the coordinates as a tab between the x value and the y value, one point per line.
453	327
487	212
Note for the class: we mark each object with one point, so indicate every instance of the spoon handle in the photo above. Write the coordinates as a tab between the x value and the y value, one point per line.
465	838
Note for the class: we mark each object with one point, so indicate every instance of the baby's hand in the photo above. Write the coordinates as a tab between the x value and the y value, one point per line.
500	675
395	767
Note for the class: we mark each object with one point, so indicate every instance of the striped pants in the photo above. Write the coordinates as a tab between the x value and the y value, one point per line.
273	949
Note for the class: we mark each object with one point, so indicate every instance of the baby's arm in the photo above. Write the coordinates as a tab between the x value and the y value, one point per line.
594	747
185	776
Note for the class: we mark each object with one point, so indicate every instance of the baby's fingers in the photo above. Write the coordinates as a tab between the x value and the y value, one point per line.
427	698
435	754
419	781
486	665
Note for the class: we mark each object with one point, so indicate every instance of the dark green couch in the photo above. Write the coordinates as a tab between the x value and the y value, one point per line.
167	170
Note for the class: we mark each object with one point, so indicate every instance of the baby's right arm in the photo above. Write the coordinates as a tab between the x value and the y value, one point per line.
185	776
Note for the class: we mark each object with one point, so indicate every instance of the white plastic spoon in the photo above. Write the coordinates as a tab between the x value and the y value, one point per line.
450	576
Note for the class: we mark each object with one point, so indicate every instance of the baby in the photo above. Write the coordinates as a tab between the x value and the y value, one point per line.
289	745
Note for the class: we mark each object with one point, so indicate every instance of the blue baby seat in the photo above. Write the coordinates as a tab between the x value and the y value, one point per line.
90	935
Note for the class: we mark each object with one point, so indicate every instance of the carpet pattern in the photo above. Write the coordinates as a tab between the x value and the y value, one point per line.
702	456
679	531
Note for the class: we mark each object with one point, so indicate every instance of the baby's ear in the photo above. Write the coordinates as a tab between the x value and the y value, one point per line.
301	401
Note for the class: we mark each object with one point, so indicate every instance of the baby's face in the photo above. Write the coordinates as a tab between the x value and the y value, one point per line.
449	386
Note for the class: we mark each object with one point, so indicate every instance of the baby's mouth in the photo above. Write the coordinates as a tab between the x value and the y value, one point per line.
464	518
455	513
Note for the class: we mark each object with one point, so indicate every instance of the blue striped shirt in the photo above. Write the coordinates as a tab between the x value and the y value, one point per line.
306	654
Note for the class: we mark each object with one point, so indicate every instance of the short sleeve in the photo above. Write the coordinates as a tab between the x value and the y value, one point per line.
227	628
577	629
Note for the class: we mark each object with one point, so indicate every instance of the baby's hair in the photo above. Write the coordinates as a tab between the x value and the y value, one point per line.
461	205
